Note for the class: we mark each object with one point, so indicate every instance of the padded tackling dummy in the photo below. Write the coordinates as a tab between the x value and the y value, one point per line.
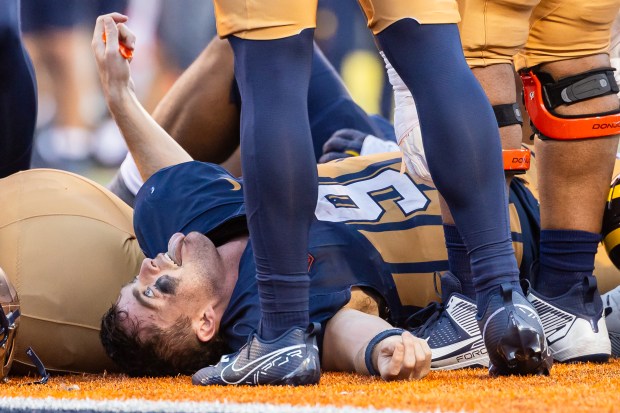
68	247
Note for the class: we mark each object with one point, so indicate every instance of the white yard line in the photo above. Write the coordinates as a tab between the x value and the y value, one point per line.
52	405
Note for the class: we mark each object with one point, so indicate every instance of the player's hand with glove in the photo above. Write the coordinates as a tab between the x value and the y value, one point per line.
407	126
345	143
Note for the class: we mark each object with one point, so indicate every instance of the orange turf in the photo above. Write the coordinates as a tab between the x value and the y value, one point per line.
570	388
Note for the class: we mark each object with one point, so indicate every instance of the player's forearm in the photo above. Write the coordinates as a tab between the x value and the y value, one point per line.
150	145
346	336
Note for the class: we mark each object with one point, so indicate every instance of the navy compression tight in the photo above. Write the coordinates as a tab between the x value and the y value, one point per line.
461	141
18	93
279	172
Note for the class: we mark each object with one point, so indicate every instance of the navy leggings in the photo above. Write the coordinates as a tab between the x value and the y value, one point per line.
18	94
461	141
330	106
278	163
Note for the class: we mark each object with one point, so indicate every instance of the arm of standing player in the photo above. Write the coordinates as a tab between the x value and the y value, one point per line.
397	357
150	145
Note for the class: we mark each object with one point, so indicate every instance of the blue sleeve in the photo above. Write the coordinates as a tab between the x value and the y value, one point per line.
192	196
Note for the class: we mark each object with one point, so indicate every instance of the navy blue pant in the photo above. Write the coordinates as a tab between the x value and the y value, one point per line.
18	93
279	172
461	142
330	106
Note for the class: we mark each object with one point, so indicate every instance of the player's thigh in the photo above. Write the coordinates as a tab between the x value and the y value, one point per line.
382	13
492	32
567	29
264	19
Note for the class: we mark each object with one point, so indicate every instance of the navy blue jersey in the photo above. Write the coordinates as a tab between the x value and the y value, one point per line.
374	228
192	196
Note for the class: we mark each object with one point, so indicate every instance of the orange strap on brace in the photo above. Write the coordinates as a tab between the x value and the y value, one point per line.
554	127
516	160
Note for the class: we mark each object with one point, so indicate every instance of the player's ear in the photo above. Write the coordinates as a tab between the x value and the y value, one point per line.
205	327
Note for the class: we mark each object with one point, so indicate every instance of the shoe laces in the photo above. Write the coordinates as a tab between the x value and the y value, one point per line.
422	322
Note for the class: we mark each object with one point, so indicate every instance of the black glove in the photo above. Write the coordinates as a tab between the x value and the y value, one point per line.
343	143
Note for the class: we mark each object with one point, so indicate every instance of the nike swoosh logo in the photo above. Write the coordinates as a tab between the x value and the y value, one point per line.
236	185
240	374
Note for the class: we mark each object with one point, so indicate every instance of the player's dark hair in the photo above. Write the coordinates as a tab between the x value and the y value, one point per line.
168	352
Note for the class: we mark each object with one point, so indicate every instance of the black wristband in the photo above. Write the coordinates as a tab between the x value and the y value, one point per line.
373	342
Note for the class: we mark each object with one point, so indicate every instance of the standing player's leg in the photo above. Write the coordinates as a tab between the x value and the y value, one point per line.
466	165
18	93
279	172
488	49
272	69
580	89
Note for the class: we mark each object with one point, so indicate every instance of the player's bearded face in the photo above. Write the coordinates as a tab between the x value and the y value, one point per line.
175	283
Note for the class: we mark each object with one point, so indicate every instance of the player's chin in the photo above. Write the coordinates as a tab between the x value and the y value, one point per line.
195	242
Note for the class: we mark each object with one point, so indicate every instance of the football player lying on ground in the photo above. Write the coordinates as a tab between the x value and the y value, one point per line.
88	235
342	206
72	218
91	249
192	127
207	294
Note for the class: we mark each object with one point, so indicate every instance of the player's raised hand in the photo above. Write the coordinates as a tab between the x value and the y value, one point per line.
403	357
113	45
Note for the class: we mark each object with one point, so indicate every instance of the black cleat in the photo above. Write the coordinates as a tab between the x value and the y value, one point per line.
513	335
291	359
